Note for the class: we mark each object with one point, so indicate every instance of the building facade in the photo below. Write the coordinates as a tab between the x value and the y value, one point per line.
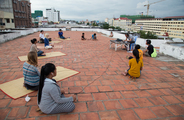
135	17
53	15
123	23
174	26
37	13
22	13
6	15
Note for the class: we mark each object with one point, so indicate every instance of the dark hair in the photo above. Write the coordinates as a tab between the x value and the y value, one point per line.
60	30
127	34
137	47
148	41
136	54
83	33
41	31
33	40
45	71
94	33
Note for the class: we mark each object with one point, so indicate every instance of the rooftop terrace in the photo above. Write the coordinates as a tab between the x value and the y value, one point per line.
157	94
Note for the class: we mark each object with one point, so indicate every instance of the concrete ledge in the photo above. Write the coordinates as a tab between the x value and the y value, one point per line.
174	51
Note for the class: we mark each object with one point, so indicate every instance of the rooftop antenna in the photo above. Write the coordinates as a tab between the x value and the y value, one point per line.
148	5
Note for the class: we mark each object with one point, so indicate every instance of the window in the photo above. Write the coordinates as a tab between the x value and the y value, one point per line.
12	20
7	20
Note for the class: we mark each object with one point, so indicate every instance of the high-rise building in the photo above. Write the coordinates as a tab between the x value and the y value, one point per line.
53	15
37	13
15	14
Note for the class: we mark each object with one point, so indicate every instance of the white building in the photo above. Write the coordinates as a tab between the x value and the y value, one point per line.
123	23
53	15
107	20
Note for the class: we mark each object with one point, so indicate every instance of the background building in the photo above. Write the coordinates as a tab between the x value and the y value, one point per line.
123	23
6	14
174	26
135	17
53	15
37	13
22	13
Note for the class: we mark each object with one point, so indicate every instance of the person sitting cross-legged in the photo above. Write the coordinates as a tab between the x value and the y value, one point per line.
46	41
51	99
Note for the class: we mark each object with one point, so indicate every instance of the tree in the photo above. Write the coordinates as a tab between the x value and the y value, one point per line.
118	28
112	27
88	23
148	35
105	26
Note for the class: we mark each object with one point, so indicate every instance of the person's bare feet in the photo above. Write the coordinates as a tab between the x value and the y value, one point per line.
124	73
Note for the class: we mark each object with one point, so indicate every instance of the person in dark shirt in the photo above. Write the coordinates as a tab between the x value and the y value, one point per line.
60	33
82	37
150	48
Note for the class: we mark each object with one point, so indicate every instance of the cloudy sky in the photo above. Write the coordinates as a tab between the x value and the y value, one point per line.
101	9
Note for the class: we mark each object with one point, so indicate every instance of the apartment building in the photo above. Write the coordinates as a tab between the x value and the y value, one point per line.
22	13
123	23
6	15
53	15
174	26
15	14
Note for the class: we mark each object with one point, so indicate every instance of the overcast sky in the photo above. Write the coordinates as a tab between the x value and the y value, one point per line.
101	9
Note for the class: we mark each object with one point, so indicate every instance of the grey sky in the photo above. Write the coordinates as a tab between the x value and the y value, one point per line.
101	9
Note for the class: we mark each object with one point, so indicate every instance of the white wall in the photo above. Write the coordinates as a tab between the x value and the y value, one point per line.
174	51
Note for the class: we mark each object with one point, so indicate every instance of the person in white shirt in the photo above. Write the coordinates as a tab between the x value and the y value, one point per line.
42	37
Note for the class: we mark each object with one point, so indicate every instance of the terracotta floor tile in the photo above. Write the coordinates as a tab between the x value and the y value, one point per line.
112	105
47	118
127	115
109	115
89	116
90	89
69	117
171	99
142	93
175	109
143	102
104	88
85	97
155	92
129	94
161	112
144	113
100	96
114	95
95	106
128	103
157	100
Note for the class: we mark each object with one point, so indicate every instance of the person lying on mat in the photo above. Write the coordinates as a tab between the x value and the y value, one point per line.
60	33
30	72
51	99
82	37
42	37
93	37
135	65
46	41
35	49
111	35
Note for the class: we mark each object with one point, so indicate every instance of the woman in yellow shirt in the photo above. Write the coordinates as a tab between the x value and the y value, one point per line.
135	65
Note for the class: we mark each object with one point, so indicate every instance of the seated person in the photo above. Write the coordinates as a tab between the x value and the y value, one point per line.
60	33
140	51
51	99
46	41
129	39
137	47
35	49
94	36
82	37
42	37
30	72
151	51
111	35
135	65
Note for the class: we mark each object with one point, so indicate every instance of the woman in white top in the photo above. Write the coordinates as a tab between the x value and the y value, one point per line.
42	37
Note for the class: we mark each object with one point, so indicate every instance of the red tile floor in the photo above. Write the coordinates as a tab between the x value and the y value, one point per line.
157	94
